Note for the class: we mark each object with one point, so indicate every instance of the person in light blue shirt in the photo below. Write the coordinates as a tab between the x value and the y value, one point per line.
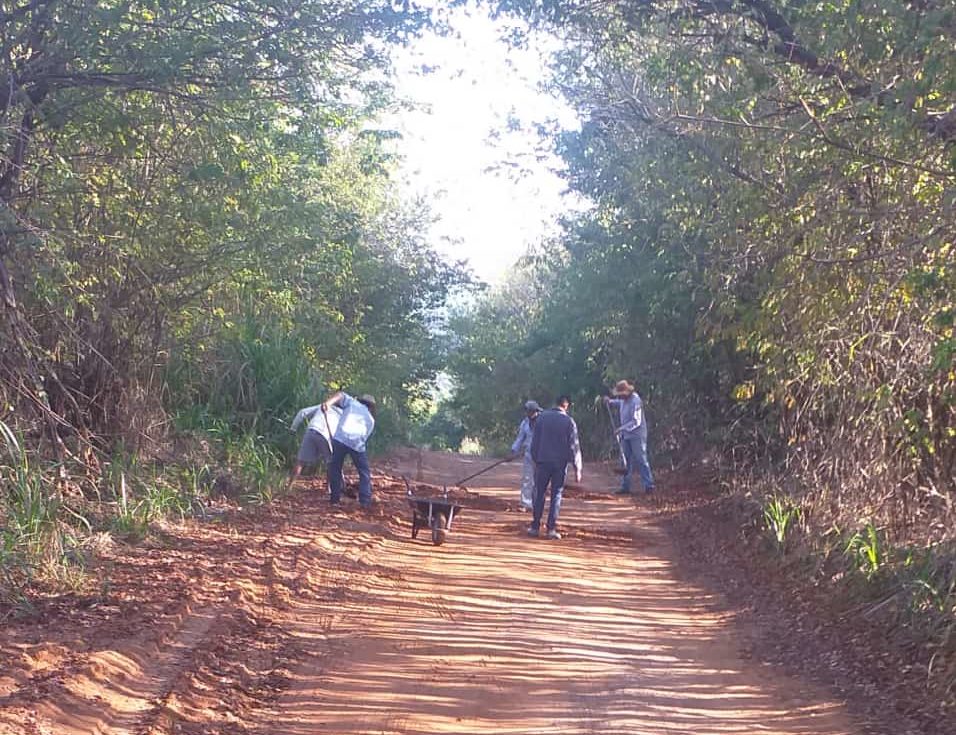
342	424
522	444
632	433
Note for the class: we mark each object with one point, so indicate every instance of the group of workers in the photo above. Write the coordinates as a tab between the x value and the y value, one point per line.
549	443
340	427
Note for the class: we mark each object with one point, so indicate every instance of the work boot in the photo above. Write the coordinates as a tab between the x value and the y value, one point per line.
532	532
554	535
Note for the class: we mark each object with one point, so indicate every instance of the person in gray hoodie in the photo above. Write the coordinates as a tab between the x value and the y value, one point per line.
554	445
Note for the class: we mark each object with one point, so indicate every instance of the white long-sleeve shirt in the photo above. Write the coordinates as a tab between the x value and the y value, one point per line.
349	422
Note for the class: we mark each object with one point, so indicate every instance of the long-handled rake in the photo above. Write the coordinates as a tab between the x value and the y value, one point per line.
622	468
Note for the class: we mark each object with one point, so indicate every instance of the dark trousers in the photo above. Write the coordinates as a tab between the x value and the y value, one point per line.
552	473
336	482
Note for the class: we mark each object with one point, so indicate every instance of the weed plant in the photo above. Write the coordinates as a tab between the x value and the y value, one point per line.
901	590
866	549
780	516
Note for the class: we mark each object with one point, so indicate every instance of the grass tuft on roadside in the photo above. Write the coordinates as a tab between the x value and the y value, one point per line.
55	517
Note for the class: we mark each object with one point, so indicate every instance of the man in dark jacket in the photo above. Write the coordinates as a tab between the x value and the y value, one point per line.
554	445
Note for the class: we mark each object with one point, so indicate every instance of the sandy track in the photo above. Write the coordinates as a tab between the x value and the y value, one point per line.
498	633
337	622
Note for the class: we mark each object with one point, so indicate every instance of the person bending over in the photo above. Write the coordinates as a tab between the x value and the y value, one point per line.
344	424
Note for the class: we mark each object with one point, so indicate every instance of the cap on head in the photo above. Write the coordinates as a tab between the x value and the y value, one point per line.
623	386
532	406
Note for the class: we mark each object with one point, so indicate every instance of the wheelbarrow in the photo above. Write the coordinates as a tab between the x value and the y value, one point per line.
435	513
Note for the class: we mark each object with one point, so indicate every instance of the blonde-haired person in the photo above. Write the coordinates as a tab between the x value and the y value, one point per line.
633	435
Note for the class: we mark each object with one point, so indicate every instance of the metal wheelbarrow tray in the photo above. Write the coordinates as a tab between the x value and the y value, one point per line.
435	513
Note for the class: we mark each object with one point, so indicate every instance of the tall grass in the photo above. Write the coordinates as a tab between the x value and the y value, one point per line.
260	373
36	543
259	467
44	538
139	494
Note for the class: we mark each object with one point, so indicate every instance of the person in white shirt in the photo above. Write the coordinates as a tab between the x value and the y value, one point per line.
338	428
522	444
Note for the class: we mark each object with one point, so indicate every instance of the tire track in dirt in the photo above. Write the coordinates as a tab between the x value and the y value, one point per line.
296	564
242	665
118	691
325	569
211	658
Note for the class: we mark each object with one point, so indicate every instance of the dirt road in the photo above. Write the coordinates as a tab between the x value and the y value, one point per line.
336	622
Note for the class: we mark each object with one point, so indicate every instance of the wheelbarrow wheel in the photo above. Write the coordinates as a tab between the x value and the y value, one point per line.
438	529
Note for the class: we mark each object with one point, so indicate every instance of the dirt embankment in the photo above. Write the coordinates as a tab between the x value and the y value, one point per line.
304	619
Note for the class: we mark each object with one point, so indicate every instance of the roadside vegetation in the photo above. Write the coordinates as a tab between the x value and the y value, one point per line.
769	255
199	234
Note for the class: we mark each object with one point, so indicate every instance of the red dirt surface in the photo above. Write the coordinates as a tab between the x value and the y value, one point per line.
309	619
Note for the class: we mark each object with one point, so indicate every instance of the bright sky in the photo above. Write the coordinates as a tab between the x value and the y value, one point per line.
491	184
